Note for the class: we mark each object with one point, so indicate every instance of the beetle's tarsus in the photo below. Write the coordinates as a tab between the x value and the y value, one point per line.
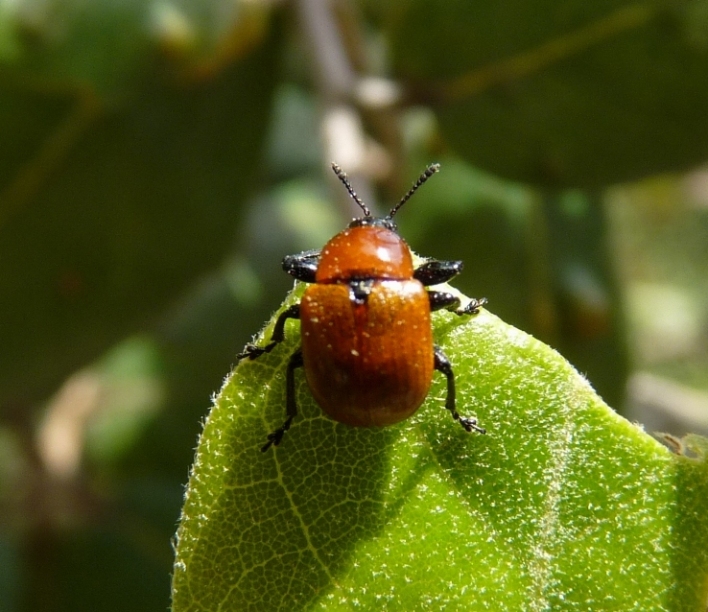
276	437
472	307
252	351
470	424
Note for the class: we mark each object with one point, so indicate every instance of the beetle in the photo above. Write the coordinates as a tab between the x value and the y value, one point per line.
366	336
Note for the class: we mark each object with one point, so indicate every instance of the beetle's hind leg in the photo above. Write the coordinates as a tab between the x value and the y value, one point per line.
442	364
275	438
252	351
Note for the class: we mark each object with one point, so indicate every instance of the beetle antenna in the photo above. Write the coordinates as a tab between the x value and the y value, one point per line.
341	175
429	171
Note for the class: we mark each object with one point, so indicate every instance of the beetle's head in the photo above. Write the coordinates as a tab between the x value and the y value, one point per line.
387	221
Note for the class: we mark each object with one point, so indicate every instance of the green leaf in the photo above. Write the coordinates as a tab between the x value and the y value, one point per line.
563	505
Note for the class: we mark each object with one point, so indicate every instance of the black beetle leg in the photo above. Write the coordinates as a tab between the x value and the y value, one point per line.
302	266
442	364
274	438
435	272
472	307
444	299
251	351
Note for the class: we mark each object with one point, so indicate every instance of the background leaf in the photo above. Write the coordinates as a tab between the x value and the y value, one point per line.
98	237
559	93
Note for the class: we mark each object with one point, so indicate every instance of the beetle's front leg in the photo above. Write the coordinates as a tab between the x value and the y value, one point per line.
449	301
252	351
302	266
435	272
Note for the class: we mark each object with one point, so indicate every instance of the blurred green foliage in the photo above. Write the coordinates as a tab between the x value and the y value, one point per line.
161	157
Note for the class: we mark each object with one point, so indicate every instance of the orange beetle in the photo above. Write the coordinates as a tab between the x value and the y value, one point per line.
367	342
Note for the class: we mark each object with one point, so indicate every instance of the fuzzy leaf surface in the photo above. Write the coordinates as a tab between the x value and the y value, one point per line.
563	505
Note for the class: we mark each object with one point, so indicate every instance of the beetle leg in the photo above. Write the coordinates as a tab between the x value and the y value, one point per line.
303	266
472	307
442	364
252	351
443	299
434	271
274	438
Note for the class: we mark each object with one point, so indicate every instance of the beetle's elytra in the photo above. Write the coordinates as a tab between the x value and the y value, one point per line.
367	344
